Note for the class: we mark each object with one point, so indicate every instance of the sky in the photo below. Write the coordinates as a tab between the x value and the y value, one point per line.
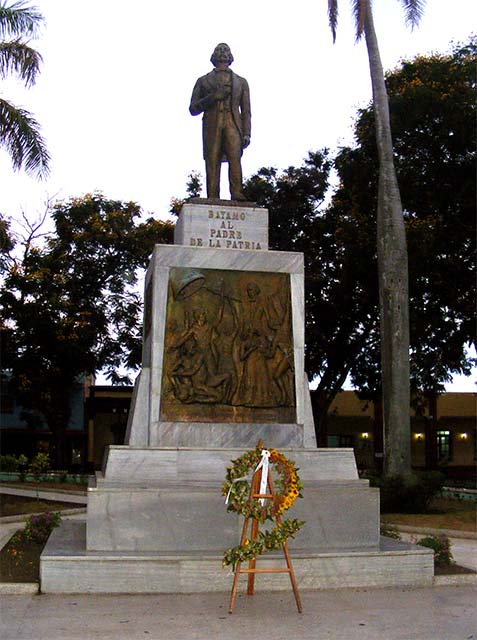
113	95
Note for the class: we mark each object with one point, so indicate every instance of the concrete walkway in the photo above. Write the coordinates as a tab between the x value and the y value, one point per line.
434	613
431	613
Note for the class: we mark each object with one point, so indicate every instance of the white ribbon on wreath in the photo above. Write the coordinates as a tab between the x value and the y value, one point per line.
264	465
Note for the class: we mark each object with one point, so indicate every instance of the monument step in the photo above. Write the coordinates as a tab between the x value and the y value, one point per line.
66	567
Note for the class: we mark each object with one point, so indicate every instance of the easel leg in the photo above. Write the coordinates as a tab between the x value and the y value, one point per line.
288	559
252	562
234	588
237	568
292	578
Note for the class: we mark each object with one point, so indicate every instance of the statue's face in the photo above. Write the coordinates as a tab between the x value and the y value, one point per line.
252	291
200	317
222	54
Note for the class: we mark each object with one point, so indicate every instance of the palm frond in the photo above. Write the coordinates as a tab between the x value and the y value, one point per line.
20	136
17	57
19	19
359	8
413	10
333	16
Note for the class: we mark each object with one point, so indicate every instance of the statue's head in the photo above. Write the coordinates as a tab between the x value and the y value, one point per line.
253	291
200	317
222	53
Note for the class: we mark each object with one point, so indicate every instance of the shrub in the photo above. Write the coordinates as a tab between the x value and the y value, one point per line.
410	494
389	531
441	546
38	528
39	465
10	463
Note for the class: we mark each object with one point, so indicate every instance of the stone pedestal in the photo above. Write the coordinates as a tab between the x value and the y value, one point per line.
157	418
169	501
223	366
222	225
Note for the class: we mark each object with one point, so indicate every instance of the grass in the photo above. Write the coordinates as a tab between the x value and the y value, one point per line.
458	515
19	505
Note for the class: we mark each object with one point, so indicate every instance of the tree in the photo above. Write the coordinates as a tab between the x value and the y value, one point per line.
340	283
392	252
70	306
435	163
193	190
19	131
433	118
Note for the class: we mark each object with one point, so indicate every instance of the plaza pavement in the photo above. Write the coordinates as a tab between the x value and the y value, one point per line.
432	613
440	612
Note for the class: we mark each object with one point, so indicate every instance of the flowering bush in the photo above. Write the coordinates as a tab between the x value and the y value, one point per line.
441	546
11	463
38	528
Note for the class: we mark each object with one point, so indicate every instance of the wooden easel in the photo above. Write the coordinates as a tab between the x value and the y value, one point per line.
252	570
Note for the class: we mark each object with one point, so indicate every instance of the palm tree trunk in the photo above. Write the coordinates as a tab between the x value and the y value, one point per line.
393	278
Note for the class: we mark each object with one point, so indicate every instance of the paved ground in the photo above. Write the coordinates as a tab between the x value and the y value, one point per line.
434	613
431	613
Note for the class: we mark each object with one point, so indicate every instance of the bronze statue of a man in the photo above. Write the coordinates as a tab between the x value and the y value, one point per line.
224	98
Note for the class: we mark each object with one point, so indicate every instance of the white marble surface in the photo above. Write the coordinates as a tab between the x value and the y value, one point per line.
222	227
156	464
168	255
188	516
145	427
224	435
137	431
162	498
66	567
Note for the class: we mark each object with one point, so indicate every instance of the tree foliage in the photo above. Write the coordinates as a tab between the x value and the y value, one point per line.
19	131
70	305
435	162
433	118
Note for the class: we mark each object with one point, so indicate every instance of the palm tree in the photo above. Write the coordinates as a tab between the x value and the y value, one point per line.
19	131
392	251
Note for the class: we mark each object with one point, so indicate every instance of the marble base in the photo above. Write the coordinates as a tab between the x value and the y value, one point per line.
170	501
145	423
155	465
222	225
66	567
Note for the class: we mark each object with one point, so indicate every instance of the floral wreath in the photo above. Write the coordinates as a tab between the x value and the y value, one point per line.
237	489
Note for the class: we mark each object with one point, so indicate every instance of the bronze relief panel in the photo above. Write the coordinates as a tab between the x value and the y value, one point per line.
228	354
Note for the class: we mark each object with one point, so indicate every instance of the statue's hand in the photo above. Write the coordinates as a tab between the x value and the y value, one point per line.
246	141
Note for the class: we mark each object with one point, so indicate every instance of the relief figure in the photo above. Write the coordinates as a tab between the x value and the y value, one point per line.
194	374
228	345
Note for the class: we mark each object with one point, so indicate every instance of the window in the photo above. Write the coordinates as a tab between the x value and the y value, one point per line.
443	445
335	442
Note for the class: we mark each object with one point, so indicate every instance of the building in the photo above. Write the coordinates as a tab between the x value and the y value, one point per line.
25	432
443	430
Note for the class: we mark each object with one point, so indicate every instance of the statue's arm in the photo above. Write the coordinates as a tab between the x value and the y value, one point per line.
246	114
198	101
